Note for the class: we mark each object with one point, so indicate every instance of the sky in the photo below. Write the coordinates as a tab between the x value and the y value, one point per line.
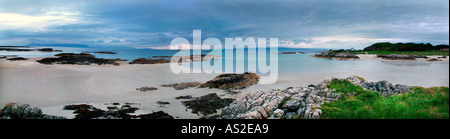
155	23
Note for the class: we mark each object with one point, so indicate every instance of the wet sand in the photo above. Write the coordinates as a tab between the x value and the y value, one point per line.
51	87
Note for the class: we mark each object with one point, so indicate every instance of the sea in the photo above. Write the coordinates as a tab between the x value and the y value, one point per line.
422	73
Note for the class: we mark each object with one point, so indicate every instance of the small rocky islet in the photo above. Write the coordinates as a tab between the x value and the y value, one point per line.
77	59
167	59
331	54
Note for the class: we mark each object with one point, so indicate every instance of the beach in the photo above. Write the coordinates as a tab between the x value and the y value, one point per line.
51	87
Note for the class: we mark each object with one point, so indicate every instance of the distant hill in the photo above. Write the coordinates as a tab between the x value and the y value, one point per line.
61	45
386	46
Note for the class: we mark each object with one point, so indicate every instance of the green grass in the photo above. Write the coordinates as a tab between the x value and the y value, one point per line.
403	52
421	103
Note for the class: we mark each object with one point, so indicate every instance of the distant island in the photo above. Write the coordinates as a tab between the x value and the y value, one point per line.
387	48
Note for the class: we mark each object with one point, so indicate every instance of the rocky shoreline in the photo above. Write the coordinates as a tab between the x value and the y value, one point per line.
298	102
304	102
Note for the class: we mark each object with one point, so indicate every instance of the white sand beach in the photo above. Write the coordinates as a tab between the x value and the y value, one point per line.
51	87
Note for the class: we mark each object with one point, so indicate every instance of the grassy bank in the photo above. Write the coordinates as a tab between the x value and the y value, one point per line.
403	52
422	103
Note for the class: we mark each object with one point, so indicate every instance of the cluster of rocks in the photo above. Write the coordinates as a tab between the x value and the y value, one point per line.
207	104
78	59
84	111
291	103
232	81
331	54
385	88
16	59
184	97
297	102
181	86
145	89
167	59
149	61
23	111
401	57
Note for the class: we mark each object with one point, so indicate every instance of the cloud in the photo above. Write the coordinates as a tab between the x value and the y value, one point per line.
306	23
20	21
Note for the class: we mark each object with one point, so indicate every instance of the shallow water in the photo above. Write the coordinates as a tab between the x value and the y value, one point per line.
408	72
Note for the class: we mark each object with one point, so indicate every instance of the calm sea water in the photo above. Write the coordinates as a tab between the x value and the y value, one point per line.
287	63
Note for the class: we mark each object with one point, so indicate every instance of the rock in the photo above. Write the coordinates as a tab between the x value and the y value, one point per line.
433	59
290	115
163	103
232	81
149	61
420	56
277	114
84	111
298	102
442	57
167	59
292	104
233	92
145	89
17	59
207	104
313	114
181	86
156	115
331	54
46	50
78	59
105	52
23	111
184	97
397	57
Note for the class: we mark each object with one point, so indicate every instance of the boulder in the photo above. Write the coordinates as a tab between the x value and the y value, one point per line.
207	104
232	81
